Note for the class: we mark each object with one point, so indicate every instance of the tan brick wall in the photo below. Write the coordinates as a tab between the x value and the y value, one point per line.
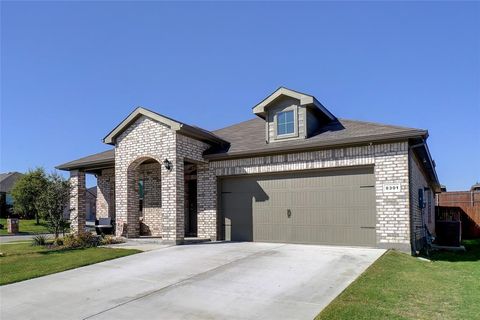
78	195
146	139
418	181
106	194
189	149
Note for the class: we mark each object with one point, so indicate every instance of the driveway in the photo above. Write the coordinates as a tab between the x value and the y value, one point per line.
202	281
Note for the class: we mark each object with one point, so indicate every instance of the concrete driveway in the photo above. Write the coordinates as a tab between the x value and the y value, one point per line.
202	281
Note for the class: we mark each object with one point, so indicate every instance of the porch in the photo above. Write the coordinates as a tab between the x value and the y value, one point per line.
148	194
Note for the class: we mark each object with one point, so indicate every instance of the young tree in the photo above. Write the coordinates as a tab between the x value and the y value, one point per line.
53	201
26	191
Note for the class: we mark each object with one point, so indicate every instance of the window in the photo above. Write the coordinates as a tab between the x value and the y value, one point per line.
141	194
285	123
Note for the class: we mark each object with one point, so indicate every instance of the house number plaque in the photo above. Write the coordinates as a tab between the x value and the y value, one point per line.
392	187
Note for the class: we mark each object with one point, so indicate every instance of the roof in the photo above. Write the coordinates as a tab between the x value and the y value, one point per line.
192	131
475	187
97	160
305	100
8	179
92	191
248	137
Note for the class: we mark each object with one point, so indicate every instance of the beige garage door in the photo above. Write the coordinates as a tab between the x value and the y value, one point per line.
318	207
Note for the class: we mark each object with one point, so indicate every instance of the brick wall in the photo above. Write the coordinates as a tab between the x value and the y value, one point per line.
145	139
77	201
106	194
191	150
420	216
148	139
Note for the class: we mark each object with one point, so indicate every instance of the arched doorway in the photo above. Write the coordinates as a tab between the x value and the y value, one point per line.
144	198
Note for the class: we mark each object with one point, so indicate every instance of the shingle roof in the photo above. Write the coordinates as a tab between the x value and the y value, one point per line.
248	137
101	158
7	180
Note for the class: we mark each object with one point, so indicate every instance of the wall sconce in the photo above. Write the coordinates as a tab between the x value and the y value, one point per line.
167	164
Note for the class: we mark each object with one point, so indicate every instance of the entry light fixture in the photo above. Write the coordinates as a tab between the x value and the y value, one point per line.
167	164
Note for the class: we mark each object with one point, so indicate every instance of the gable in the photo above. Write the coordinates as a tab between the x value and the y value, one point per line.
291	115
177	126
306	100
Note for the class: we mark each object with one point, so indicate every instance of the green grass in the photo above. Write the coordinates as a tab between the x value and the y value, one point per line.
399	286
26	226
22	261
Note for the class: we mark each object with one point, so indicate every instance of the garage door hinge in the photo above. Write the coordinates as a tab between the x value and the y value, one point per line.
367	186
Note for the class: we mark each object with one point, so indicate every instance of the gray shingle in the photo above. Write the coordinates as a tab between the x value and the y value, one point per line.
248	138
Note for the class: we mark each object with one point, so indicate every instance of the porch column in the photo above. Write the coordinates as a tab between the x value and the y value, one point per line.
207	203
78	210
173	228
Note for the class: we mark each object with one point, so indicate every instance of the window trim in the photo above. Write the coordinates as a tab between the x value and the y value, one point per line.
294	134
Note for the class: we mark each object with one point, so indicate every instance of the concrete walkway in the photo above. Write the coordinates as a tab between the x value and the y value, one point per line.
201	281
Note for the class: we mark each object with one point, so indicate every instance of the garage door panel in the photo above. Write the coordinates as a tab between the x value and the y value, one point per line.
329	207
335	235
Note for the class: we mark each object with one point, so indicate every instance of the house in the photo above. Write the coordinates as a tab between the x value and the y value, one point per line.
91	204
7	181
295	173
463	206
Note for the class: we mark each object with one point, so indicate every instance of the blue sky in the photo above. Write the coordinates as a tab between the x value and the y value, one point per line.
70	71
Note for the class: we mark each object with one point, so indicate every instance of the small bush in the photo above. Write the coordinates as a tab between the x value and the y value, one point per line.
84	240
58	242
70	241
108	239
39	240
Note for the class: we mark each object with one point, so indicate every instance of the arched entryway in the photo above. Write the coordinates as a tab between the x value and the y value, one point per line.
144	198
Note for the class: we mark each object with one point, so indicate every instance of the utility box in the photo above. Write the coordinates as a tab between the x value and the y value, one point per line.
449	233
13	225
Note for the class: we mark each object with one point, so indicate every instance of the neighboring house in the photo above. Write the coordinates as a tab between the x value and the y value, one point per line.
91	204
461	206
295	173
7	181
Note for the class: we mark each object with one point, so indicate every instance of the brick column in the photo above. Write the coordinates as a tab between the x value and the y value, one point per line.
207	203
78	210
172	201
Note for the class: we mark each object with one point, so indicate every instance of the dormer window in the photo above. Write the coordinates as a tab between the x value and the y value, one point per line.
291	115
286	123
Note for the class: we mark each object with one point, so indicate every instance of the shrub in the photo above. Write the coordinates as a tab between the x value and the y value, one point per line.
58	242
39	240
84	240
108	239
70	241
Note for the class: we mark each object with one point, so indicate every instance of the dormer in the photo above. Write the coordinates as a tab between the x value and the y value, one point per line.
291	115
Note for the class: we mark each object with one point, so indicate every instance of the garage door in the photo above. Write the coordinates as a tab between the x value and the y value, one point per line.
318	207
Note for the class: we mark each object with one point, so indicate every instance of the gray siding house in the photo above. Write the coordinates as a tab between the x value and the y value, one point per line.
295	173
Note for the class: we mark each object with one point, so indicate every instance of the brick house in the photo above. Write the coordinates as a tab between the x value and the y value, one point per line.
295	173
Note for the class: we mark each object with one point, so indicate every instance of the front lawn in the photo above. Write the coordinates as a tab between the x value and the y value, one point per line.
399	286
27	226
22	261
